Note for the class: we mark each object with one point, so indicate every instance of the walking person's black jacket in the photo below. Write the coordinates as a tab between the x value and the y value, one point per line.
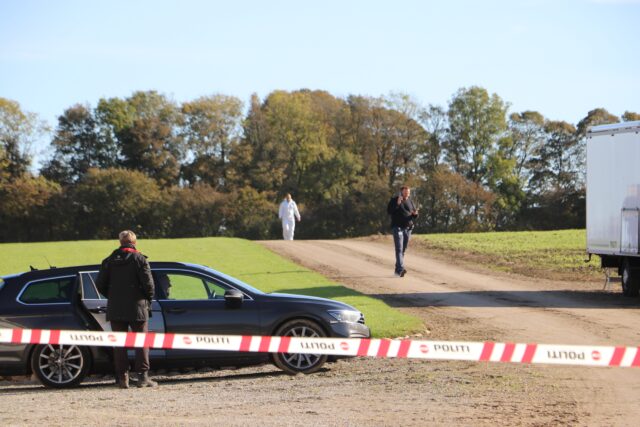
125	279
401	215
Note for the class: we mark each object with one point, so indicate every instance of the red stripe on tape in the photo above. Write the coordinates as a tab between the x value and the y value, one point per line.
487	349
149	338
618	354
529	352
264	344
405	345
16	336
54	338
131	339
636	360
35	336
245	343
167	341
383	350
363	348
508	352
284	344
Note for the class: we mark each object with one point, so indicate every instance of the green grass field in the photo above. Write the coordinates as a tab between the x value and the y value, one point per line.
240	258
549	254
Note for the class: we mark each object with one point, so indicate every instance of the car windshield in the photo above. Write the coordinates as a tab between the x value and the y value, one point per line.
231	280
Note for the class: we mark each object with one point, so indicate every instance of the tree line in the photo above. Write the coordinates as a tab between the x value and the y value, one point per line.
213	166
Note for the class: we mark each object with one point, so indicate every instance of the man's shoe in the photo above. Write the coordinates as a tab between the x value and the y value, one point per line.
403	272
397	274
122	381
145	381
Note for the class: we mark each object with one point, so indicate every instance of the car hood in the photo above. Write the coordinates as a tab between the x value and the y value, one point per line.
306	298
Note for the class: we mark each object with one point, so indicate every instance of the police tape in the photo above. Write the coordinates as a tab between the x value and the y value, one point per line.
412	349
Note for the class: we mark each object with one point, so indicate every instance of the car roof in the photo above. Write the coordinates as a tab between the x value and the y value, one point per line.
71	270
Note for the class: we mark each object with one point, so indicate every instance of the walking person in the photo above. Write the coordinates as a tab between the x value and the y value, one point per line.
288	213
403	214
125	279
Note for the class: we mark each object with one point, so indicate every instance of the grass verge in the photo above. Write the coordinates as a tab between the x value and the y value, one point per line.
240	258
555	255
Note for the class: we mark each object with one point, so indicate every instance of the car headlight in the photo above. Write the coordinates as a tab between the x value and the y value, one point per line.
347	316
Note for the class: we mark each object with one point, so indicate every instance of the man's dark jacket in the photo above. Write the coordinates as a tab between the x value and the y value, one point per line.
401	213
125	279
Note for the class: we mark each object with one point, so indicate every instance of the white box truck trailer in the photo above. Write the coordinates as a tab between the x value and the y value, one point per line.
613	200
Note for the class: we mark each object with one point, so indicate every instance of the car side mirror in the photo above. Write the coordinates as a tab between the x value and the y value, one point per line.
233	298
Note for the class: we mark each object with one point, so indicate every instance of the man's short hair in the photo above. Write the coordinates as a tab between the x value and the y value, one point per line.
404	187
127	237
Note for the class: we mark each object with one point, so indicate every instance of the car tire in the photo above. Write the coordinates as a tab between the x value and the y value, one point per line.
295	363
60	366
630	280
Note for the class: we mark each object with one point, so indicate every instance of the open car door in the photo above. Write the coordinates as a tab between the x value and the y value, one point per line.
96	305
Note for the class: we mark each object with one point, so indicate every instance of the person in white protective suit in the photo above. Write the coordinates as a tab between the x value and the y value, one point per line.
288	213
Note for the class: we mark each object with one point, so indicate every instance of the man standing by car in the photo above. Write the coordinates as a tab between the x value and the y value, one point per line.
403	214
125	279
288	213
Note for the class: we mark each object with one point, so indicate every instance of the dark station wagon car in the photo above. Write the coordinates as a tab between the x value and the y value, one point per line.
189	299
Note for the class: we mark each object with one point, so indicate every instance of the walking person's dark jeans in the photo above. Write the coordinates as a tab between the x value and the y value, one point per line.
401	238
120	359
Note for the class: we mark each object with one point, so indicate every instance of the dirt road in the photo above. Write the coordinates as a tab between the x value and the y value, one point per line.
459	303
455	302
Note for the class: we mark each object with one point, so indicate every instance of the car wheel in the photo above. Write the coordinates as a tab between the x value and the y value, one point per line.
295	363
60	366
630	280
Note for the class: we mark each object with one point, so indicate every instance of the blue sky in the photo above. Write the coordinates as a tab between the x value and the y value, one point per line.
560	57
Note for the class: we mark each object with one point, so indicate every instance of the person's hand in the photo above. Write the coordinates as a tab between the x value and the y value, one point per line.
399	200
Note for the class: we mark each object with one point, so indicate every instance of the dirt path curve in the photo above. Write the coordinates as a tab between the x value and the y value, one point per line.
459	303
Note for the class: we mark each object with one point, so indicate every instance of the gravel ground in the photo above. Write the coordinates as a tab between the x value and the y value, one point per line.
349	392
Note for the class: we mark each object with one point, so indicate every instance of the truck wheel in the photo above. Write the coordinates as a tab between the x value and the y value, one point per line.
630	280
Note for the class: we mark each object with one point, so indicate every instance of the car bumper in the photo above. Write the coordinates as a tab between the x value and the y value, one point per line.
350	330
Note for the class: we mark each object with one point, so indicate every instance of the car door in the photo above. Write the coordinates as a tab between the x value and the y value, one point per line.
193	303
96	305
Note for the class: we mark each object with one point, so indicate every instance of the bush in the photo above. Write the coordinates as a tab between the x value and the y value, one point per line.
195	211
250	214
25	208
108	201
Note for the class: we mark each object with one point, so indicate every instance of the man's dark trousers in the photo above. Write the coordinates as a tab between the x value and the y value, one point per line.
121	360
401	236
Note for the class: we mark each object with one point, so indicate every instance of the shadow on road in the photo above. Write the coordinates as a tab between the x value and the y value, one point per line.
537	299
269	273
322	291
108	382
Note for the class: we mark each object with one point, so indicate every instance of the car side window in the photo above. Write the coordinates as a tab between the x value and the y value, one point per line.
48	291
176	286
215	290
89	289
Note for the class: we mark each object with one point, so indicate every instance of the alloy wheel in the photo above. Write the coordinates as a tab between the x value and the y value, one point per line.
301	361
295	363
59	365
